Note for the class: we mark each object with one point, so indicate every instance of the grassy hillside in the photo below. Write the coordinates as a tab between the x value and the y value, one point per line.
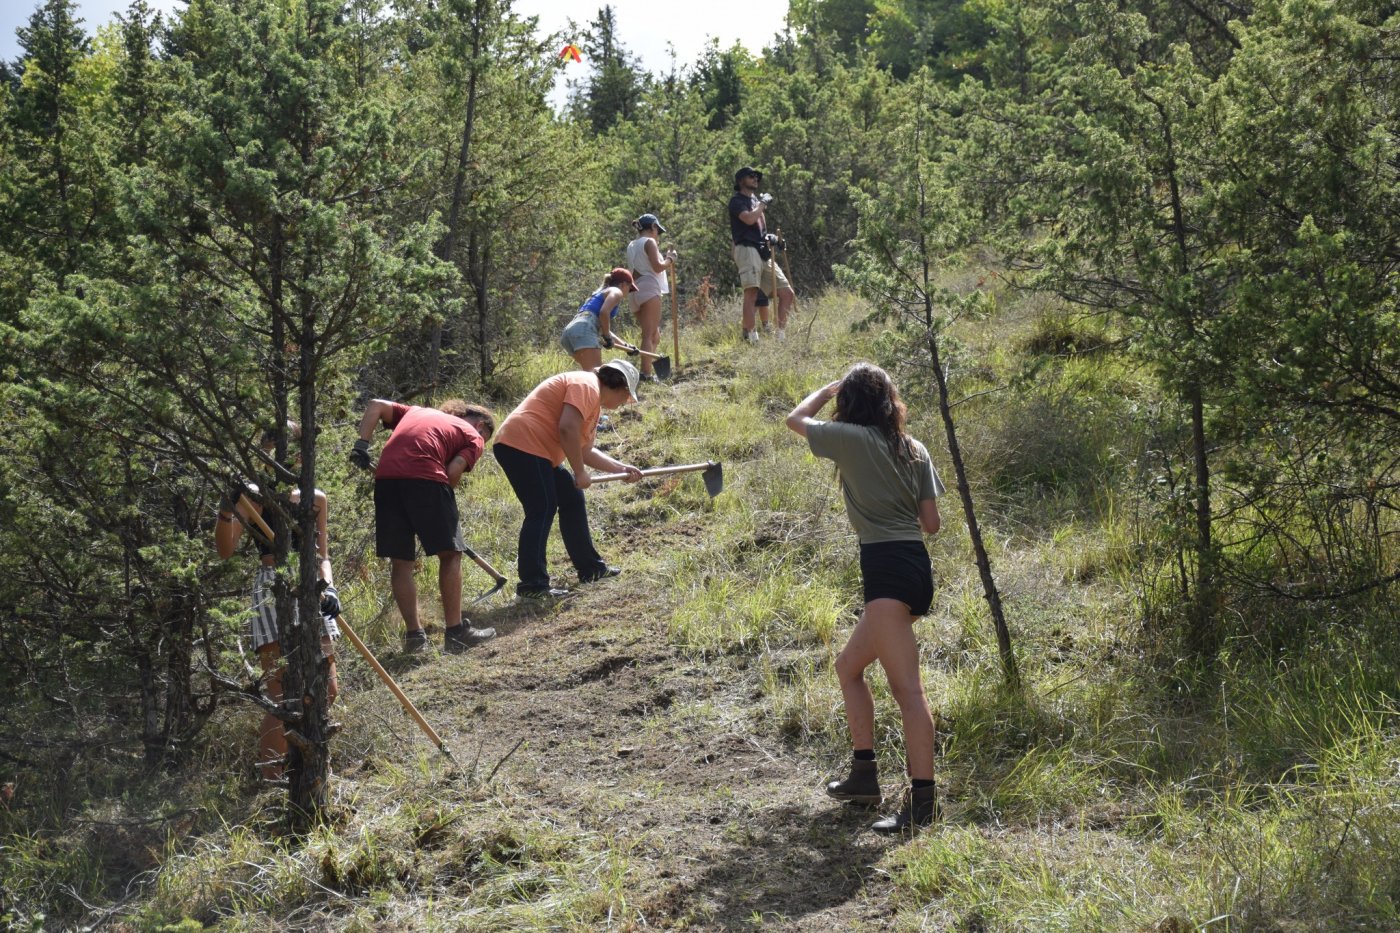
652	752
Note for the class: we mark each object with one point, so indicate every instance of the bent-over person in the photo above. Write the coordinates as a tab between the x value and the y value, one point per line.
415	486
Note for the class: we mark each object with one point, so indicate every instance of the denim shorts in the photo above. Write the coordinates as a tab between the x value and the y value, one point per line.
581	334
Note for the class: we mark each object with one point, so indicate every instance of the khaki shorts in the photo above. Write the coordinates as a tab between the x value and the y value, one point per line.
754	272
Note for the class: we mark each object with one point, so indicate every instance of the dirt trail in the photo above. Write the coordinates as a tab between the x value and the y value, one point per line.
624	736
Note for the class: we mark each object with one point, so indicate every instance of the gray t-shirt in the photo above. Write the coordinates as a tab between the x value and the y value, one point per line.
882	495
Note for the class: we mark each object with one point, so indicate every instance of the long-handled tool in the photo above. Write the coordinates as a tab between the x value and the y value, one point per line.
495	574
713	475
661	365
787	268
408	706
675	319
259	525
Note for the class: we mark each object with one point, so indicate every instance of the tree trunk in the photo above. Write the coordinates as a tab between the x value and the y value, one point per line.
1010	672
1203	634
448	244
307	678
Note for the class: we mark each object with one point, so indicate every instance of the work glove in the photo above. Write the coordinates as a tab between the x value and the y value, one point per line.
633	351
607	341
330	602
359	455
766	198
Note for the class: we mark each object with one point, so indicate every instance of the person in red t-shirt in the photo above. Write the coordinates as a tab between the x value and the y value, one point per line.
414	483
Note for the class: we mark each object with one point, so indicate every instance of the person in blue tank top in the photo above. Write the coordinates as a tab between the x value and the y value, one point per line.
590	331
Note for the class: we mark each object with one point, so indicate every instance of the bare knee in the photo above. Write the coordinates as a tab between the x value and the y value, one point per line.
910	696
849	671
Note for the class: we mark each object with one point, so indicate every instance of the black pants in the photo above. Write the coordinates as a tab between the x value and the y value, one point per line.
545	490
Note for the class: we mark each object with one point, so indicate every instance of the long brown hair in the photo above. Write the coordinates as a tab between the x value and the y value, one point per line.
867	396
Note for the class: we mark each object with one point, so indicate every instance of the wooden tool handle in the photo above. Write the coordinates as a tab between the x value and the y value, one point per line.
393	687
657	471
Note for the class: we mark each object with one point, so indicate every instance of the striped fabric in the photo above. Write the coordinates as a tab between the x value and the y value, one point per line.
262	624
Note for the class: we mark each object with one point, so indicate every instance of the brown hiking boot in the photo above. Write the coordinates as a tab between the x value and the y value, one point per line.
920	809
861	786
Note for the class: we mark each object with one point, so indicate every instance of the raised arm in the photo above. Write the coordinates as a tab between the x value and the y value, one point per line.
235	511
659	264
804	413
379	411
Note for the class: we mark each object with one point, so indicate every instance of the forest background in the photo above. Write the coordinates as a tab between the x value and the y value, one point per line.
1143	253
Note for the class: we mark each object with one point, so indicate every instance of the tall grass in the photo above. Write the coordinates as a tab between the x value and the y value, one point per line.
1123	788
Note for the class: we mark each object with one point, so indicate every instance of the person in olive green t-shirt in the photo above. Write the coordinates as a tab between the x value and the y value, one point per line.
891	492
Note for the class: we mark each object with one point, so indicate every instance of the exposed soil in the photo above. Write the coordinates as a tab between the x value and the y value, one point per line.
624	736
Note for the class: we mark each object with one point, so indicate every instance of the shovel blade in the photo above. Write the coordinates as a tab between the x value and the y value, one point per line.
714	479
662	367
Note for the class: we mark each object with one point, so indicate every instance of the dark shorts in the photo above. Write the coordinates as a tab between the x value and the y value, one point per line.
898	570
404	508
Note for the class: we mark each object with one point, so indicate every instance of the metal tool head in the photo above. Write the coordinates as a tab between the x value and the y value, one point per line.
662	367
714	479
500	584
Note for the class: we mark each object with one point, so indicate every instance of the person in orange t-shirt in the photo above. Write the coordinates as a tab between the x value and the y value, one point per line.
557	422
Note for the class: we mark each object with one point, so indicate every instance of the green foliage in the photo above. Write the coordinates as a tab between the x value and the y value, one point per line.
1150	242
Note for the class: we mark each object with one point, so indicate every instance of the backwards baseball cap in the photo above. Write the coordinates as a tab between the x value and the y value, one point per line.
628	371
647	221
621	276
745	172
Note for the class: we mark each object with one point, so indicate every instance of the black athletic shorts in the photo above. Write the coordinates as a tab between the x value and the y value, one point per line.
404	508
898	570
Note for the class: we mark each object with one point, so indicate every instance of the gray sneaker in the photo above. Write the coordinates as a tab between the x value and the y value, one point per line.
414	642
461	637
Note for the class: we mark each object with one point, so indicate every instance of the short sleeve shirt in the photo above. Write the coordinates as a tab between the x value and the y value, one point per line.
424	442
882	494
742	233
534	425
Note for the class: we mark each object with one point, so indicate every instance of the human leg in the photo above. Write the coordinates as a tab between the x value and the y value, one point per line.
532	480
573	527
450	587
750	309
649	322
405	590
272	738
588	358
860	652
898	652
393	536
786	297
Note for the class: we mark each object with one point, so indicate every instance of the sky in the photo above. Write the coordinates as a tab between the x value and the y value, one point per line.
645	27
